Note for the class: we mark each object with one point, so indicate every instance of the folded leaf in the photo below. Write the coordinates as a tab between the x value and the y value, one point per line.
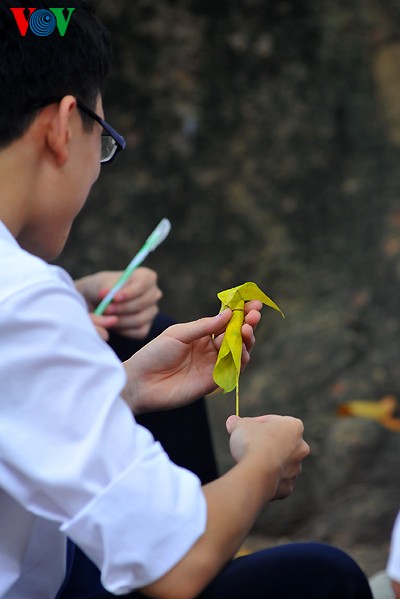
382	411
227	368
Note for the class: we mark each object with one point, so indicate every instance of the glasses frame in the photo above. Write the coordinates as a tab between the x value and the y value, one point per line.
120	143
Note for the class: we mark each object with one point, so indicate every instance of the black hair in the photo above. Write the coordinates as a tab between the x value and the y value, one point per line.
35	67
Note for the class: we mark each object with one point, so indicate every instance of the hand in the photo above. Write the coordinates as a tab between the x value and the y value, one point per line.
102	324
396	589
277	444
176	367
270	450
134	307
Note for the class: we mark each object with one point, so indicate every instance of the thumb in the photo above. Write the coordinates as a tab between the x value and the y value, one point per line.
190	331
232	423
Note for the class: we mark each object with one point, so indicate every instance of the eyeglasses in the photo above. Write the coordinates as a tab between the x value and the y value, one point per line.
111	141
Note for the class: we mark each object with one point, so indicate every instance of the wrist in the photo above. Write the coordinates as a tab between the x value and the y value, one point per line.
130	393
263	476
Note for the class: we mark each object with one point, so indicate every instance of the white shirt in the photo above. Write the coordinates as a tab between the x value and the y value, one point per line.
393	567
73	461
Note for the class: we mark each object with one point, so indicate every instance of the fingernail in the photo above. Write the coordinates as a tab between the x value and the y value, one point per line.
221	313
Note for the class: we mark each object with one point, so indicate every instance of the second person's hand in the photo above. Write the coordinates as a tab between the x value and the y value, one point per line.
134	307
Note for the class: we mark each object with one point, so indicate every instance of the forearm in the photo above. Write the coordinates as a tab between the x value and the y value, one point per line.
268	451
233	503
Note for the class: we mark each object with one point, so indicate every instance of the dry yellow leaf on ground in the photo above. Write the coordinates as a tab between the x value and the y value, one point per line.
382	411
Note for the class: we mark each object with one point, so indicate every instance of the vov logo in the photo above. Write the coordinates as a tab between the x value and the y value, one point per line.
42	22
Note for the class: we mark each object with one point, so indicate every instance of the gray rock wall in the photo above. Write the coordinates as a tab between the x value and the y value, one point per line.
269	134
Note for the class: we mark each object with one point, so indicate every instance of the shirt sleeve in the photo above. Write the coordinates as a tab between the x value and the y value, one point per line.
72	451
393	567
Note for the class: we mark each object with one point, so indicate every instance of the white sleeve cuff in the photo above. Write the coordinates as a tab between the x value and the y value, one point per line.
142	524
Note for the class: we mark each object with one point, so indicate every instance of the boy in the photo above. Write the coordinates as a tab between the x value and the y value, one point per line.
73	461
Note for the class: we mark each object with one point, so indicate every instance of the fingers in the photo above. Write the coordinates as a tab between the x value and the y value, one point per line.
249	341
125	303
231	423
103	333
139	290
216	325
252	305
251	320
293	470
191	331
138	320
247	335
105	322
102	323
278	440
234	421
137	326
305	449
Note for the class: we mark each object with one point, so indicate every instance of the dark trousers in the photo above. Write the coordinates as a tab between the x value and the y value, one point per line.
292	571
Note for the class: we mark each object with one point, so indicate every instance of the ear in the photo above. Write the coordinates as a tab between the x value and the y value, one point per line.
59	130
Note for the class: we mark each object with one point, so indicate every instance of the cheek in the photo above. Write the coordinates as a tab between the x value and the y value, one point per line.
95	159
80	198
90	174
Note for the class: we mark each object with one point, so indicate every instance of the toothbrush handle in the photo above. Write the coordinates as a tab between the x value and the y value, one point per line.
106	301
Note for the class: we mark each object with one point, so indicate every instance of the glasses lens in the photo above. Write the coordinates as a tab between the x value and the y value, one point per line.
108	148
